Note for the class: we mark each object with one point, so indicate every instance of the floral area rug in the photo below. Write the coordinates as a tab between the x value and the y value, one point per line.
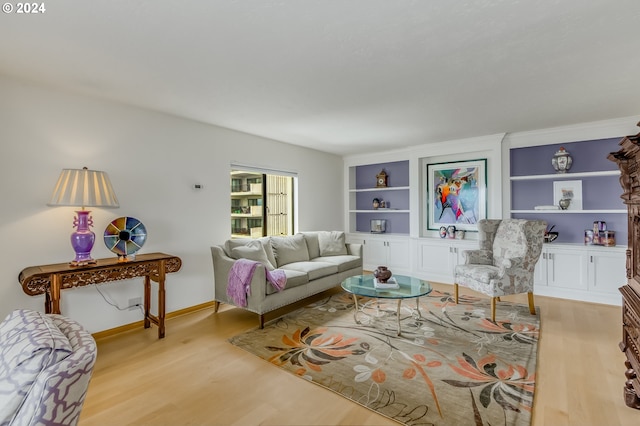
451	365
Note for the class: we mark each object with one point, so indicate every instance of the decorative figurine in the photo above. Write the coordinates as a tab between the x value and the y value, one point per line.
561	160
382	179
443	232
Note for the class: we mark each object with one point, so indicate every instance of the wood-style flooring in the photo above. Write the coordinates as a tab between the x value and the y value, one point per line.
195	377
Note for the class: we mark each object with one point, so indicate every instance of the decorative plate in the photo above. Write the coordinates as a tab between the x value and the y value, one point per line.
125	235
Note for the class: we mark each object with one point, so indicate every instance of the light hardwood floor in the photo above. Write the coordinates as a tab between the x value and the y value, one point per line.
194	377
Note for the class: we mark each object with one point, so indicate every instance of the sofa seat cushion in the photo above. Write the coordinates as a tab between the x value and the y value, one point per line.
314	270
343	262
29	343
294	279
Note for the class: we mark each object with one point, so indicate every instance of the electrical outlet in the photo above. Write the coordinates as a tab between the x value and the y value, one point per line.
134	303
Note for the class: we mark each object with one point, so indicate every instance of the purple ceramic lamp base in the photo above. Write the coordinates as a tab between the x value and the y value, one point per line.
82	239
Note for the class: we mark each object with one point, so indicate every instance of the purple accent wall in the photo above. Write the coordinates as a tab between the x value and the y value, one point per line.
398	176
398	173
399	199
397	223
598	192
587	156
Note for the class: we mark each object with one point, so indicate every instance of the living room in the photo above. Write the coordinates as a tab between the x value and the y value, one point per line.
155	158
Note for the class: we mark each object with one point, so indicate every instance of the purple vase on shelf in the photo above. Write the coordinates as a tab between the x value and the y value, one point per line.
382	274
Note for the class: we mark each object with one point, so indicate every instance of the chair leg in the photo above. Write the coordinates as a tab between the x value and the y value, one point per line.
455	293
216	306
261	320
493	309
532	306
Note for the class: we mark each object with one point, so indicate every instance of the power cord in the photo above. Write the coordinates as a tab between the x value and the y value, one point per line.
115	305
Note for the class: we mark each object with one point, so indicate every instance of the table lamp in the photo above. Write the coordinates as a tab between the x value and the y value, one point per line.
83	188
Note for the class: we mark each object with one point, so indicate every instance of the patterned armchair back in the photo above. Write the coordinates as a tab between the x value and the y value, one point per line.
513	238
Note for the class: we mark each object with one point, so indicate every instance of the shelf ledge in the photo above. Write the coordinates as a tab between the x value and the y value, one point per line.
379	211
601	211
388	188
567	175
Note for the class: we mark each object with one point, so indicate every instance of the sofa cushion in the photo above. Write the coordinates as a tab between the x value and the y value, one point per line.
344	263
294	279
254	250
29	343
314	270
265	241
332	243
312	244
289	249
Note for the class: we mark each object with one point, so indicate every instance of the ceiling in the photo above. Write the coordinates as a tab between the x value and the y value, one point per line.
341	76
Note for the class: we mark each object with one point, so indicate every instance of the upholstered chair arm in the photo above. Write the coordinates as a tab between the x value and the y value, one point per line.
477	257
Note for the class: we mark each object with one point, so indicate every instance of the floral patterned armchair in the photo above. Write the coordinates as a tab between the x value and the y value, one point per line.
505	262
46	362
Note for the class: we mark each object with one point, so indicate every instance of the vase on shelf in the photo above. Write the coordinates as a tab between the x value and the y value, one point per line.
564	203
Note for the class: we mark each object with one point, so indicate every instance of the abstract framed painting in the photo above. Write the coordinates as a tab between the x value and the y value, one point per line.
456	194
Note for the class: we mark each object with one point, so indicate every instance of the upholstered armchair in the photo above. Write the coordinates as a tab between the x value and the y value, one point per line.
505	262
46	362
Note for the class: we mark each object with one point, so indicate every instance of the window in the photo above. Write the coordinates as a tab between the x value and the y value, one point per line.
262	202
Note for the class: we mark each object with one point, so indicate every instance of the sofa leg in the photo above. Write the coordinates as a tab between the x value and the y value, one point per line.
261	320
493	309
455	293
532	306
216	306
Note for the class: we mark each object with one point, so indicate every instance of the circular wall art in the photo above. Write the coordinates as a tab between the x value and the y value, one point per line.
125	236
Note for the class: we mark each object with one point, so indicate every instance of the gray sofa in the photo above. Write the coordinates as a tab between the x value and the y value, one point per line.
312	261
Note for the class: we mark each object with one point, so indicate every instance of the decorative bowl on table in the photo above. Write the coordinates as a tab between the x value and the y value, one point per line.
125	236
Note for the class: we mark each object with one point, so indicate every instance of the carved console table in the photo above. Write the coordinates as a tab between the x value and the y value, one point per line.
50	279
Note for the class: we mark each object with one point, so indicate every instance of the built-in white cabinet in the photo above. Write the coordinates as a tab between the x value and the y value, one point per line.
437	258
588	273
384	250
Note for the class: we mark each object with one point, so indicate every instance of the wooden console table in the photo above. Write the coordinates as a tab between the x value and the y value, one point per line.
50	279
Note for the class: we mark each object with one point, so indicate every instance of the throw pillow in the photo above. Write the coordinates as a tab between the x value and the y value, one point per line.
252	251
290	249
332	243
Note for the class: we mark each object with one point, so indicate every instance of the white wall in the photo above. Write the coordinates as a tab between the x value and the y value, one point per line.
153	161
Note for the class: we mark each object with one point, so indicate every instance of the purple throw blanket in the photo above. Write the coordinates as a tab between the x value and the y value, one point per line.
240	275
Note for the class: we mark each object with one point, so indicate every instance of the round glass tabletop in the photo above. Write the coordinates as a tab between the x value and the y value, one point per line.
407	287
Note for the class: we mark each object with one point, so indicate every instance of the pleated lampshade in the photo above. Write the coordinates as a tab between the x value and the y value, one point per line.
84	188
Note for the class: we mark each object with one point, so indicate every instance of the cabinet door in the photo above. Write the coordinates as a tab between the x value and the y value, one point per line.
374	253
540	273
566	268
607	271
435	261
398	257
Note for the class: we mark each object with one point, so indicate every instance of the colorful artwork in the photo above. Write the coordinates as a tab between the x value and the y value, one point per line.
456	194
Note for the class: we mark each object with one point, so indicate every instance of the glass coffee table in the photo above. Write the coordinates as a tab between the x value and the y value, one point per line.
408	288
